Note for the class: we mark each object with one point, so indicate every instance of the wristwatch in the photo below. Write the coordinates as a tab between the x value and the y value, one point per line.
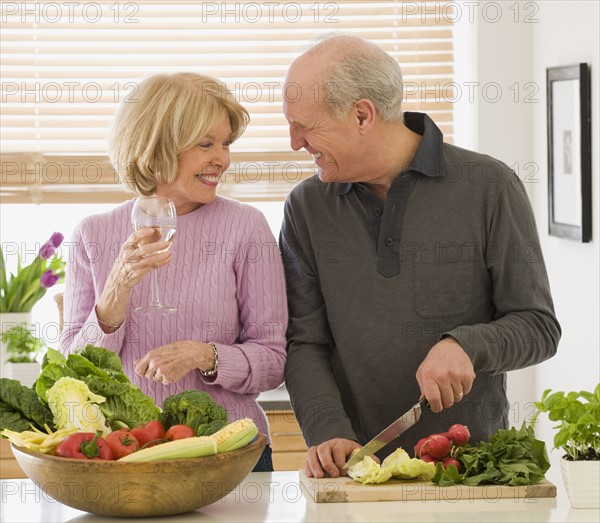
215	368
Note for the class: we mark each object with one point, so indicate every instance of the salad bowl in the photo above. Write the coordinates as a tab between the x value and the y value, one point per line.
159	488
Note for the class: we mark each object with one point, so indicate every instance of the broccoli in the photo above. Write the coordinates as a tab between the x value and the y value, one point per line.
196	409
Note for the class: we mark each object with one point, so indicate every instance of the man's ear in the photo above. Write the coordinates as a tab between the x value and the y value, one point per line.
365	114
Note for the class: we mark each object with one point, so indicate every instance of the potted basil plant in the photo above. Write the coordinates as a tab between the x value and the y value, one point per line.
23	350
578	435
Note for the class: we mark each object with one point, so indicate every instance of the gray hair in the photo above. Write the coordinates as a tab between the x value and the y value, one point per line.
359	69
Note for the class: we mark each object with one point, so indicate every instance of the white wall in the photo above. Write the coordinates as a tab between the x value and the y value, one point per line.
509	51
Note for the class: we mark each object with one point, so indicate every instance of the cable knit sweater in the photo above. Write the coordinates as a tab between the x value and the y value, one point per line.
226	280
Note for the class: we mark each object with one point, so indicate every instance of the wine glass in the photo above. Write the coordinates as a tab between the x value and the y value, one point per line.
159	214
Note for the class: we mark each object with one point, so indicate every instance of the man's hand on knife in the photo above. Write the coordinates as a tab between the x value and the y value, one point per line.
446	374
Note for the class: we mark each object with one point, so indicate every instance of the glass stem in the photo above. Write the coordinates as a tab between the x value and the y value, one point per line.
154	287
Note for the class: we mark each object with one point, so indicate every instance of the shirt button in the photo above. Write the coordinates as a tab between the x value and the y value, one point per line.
389	242
378	211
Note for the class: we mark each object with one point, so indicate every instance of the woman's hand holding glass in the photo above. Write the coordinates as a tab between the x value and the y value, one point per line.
140	254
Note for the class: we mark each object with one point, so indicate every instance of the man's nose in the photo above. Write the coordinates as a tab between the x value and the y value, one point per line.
296	140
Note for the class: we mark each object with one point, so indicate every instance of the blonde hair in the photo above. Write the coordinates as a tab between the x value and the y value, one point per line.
165	117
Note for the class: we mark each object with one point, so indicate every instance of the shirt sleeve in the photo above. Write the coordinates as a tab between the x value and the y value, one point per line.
80	321
524	330
314	394
255	363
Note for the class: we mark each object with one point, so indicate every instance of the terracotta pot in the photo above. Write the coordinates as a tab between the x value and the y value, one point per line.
582	481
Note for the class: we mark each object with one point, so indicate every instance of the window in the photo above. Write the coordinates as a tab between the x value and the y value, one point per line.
66	66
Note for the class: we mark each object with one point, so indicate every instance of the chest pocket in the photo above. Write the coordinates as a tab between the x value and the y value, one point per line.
443	289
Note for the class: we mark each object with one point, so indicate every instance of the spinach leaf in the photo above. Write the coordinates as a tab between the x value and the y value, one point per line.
20	405
510	457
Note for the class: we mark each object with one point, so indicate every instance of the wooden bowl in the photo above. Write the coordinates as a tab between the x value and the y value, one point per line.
161	488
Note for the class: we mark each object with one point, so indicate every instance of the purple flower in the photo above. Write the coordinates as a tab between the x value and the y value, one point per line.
48	278
56	239
47	250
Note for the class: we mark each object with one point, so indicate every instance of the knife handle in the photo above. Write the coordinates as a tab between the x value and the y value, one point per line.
424	403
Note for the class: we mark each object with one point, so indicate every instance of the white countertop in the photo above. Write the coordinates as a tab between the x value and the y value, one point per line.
278	496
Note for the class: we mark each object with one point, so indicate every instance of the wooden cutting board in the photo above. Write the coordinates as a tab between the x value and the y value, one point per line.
344	490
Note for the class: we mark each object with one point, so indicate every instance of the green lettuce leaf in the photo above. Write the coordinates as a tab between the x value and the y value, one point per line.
369	471
402	466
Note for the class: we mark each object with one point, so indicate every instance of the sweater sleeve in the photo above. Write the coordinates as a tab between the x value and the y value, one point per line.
314	393
525	330
256	361
80	321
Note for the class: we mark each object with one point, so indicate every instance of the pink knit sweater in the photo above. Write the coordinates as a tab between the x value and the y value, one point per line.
226	280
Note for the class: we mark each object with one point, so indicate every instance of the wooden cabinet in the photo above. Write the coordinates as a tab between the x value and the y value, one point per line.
289	449
9	468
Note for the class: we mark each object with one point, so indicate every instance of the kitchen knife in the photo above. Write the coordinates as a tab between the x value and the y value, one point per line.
390	433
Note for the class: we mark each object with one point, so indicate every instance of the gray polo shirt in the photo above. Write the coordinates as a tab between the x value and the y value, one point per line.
373	285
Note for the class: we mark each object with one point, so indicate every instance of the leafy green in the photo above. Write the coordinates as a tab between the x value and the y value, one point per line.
402	466
50	374
579	428
511	457
100	369
106	360
398	465
195	409
368	471
53	356
74	405
20	407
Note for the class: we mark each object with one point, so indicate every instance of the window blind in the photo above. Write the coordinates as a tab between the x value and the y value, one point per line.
66	65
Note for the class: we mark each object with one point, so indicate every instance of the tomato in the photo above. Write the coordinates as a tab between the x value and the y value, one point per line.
122	442
149	433
84	445
180	432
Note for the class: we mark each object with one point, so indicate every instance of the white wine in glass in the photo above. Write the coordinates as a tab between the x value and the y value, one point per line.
157	213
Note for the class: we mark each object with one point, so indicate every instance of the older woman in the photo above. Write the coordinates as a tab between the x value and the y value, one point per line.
223	271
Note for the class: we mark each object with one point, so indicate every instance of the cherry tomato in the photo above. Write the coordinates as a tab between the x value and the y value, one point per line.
148	433
122	442
180	432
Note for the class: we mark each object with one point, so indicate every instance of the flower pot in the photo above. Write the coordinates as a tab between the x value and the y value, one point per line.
26	373
582	481
7	321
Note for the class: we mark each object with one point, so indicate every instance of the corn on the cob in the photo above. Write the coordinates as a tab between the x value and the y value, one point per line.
235	435
196	447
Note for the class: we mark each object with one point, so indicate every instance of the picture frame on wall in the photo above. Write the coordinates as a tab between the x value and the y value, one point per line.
569	152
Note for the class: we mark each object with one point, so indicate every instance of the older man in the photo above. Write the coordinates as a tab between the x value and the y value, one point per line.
413	266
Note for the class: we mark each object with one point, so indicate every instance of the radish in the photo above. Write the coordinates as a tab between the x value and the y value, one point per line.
437	446
459	434
446	435
429	459
451	461
418	447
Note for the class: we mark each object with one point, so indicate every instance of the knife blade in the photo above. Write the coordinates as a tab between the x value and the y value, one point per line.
391	432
